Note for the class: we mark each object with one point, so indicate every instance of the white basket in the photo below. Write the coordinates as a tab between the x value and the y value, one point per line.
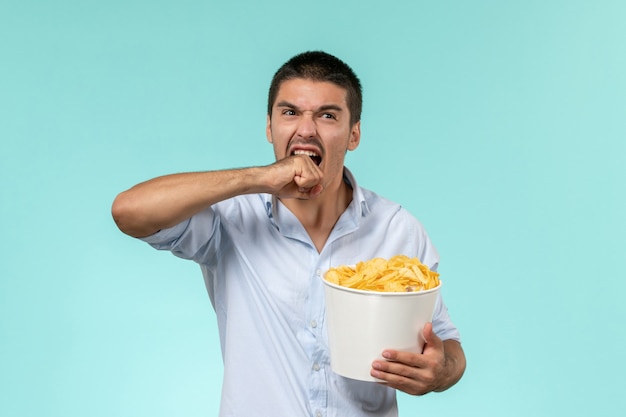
361	324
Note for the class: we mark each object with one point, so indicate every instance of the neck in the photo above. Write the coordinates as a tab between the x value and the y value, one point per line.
319	216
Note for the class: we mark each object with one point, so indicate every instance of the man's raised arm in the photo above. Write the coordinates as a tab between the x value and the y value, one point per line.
165	201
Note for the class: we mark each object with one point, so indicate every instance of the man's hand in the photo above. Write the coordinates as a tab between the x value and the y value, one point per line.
440	366
295	177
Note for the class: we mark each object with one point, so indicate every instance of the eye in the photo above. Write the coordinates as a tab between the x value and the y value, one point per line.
289	112
328	116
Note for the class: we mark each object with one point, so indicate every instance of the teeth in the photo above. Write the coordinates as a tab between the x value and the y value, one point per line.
307	153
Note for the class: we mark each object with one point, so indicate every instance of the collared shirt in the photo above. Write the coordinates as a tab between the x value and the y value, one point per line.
263	275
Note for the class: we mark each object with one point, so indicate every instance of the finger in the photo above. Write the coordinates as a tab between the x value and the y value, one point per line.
431	340
394	370
306	183
316	190
296	177
413	359
400	377
311	191
308	176
427	331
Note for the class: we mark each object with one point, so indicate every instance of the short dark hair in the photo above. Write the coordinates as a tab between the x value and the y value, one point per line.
320	66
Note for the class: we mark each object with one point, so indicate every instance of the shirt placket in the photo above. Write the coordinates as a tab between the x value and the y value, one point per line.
318	386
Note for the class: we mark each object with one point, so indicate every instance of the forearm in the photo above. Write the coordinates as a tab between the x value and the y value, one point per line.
165	201
454	365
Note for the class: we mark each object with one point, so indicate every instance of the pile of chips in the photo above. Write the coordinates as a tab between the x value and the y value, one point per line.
398	274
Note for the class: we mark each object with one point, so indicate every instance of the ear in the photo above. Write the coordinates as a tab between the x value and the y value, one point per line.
355	136
268	129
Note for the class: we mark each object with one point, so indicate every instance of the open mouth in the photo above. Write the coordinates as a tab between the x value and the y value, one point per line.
315	157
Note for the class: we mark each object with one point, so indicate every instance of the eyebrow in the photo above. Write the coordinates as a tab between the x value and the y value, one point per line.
325	107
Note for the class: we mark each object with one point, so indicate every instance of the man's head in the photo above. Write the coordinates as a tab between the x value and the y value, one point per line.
320	66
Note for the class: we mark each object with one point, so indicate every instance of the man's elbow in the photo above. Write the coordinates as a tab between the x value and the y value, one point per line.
126	216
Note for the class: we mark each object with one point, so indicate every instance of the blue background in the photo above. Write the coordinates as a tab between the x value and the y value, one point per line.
500	125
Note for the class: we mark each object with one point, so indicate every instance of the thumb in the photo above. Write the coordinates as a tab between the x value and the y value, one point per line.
316	190
430	338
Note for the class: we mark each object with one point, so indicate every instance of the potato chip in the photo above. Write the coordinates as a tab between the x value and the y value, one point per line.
398	274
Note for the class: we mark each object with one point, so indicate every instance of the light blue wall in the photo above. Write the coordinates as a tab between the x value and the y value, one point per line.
501	125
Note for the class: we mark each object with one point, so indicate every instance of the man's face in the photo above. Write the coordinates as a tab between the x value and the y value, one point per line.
312	117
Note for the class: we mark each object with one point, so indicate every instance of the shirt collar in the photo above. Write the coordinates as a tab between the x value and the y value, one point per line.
357	193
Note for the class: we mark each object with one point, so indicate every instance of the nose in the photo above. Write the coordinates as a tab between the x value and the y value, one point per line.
306	127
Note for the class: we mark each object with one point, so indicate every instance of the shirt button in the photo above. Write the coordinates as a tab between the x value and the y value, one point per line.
313	324
316	366
318	272
318	413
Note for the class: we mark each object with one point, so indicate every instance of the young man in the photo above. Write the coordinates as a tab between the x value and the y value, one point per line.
264	235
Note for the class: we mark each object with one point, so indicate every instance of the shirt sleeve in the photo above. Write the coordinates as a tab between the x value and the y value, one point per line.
442	324
194	238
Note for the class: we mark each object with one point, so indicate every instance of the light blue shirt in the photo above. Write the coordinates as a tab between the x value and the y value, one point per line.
262	272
